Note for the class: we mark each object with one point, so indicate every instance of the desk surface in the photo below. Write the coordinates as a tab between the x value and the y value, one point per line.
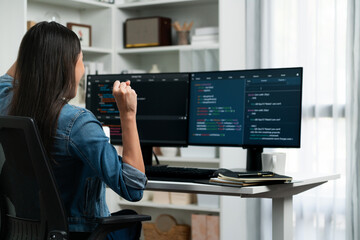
298	185
281	195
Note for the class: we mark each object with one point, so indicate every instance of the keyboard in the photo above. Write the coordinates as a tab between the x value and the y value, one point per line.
182	173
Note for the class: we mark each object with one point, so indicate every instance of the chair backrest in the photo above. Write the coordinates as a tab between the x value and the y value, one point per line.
31	207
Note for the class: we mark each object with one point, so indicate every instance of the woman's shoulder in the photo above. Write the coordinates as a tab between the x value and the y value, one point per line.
6	78
6	81
5	93
71	110
70	113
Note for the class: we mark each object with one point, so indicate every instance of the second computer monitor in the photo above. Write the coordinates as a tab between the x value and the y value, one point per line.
249	108
254	109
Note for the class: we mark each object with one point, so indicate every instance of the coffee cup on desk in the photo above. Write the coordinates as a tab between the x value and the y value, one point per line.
273	162
107	131
169	151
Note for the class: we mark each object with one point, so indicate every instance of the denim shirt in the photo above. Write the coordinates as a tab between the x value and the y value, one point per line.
85	163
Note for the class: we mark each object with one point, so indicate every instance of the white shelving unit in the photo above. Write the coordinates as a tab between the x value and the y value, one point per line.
77	4
188	207
168	49
107	47
161	3
107	20
169	58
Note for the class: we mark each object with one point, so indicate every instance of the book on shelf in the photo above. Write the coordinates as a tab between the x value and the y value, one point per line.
206	31
205	35
204	39
234	178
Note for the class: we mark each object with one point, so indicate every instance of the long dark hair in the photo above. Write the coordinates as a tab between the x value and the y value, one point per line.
45	76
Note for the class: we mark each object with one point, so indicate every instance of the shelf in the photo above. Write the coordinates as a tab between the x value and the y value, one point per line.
78	4
189	207
161	3
166	49
96	50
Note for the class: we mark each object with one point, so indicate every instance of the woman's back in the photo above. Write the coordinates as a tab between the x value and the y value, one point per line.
48	70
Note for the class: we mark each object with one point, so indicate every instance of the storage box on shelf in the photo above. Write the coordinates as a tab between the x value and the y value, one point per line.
205	227
166	227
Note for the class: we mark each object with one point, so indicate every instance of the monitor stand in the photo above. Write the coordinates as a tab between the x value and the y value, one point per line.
147	152
253	159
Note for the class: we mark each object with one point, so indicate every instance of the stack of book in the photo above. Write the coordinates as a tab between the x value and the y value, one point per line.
233	178
205	35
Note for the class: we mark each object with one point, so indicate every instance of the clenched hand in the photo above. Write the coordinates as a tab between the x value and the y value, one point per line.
126	98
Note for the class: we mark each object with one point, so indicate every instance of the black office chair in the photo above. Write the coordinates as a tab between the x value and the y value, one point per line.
31	207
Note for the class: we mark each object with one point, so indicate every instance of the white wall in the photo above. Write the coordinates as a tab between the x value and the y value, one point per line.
232	57
232	27
12	29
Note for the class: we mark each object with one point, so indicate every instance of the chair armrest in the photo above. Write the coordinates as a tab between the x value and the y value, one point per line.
112	223
123	219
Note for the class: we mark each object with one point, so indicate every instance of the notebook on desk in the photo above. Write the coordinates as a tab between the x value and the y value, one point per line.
235	178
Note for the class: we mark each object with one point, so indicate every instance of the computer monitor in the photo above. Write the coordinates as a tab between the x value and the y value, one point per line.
162	108
254	109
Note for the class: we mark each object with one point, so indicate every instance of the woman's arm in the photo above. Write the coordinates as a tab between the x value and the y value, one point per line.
11	71
88	143
126	100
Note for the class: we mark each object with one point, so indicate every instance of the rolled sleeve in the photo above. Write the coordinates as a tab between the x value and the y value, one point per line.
133	177
5	93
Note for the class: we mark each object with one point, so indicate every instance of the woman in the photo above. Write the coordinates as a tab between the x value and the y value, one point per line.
39	85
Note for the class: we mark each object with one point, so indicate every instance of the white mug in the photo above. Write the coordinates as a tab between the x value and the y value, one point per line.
106	131
273	162
169	151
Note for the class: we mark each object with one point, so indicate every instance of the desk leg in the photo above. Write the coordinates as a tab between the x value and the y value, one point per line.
282	218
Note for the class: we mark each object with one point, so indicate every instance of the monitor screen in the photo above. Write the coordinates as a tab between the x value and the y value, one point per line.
246	108
162	110
254	109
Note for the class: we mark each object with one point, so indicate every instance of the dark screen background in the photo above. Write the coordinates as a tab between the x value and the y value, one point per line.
162	106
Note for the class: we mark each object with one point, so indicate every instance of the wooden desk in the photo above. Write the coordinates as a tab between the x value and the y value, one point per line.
281	195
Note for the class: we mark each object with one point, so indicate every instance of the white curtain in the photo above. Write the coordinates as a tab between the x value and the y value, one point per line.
310	34
353	120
